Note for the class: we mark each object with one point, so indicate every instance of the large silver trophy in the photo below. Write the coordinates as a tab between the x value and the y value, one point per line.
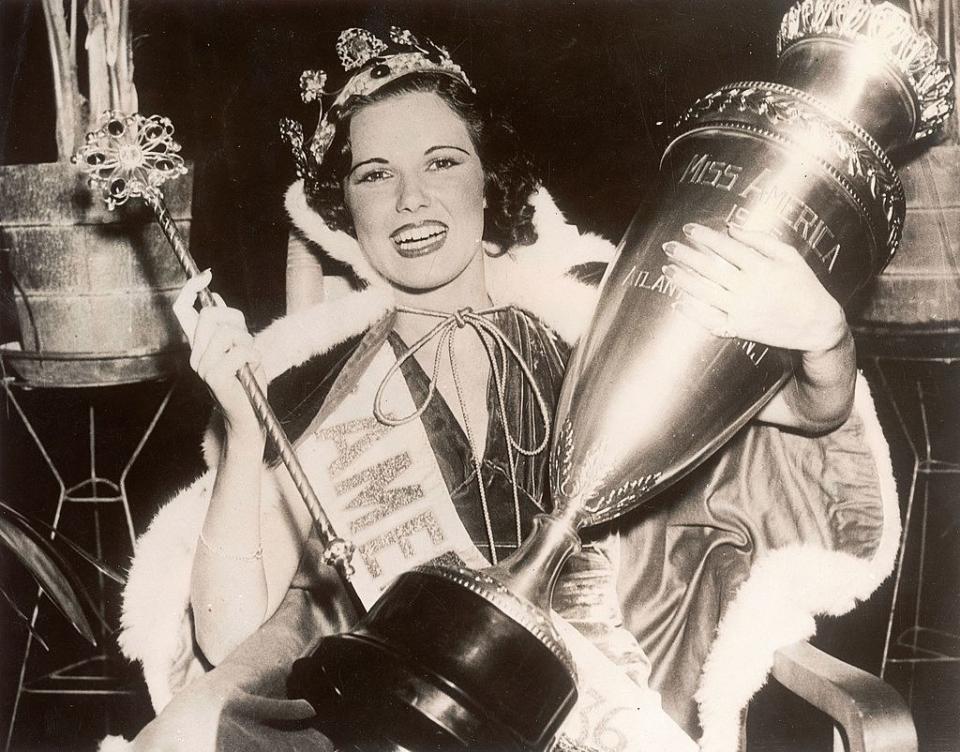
451	658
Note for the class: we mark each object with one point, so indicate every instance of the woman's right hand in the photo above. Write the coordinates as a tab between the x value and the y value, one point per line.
219	347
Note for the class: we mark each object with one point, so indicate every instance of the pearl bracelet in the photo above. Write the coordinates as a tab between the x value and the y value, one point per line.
223	553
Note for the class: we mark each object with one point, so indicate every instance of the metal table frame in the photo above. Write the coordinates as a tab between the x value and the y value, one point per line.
92	491
924	645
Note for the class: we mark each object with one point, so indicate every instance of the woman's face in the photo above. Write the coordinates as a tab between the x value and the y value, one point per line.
415	190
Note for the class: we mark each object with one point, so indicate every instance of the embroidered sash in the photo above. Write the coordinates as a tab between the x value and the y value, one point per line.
383	489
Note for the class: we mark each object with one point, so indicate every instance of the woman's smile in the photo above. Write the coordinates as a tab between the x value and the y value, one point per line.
419	239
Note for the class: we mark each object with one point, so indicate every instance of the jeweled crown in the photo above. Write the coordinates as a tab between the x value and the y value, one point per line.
376	62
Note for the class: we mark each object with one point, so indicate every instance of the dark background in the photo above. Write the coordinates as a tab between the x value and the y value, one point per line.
593	88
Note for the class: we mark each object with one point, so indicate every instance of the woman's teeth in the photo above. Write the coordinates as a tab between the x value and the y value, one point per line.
418	241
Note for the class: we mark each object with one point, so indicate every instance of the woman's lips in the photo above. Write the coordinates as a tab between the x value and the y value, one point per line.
413	241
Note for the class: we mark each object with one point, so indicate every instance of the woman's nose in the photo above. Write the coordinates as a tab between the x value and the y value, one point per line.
411	195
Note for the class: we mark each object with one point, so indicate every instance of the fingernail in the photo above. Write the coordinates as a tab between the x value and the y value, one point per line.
690	229
669	270
669	248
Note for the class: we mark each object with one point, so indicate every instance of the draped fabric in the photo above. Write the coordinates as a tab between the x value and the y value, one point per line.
682	561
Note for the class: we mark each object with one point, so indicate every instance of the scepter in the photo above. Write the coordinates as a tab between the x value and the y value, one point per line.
131	156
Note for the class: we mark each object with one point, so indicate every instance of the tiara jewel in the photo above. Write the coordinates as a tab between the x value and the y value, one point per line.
376	62
356	46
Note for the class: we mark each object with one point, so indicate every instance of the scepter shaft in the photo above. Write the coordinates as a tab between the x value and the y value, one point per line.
333	545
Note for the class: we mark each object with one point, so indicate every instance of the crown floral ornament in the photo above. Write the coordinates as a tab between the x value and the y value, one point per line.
376	62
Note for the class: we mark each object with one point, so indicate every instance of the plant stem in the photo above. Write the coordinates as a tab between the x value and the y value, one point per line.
128	92
73	29
65	88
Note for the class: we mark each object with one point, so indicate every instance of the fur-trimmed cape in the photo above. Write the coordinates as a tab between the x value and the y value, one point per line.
773	606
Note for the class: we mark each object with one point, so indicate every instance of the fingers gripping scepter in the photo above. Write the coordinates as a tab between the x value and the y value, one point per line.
131	156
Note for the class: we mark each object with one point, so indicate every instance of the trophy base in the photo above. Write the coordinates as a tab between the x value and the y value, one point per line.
437	665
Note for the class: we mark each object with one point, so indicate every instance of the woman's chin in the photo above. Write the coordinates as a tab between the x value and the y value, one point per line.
421	284
425	275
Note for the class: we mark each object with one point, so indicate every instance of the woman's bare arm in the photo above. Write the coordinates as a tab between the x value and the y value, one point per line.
819	395
239	573
228	586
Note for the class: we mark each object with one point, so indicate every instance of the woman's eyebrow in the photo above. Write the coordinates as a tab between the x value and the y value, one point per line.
373	160
446	146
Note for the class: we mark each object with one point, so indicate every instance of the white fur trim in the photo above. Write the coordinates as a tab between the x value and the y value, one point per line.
560	244
785	589
534	277
339	245
156	598
565	303
294	339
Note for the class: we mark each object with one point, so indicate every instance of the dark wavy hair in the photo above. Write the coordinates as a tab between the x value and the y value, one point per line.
509	174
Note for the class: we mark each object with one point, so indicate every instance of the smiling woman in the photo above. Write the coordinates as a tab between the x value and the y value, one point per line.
422	405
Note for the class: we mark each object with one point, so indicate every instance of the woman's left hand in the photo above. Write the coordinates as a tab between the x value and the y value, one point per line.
751	285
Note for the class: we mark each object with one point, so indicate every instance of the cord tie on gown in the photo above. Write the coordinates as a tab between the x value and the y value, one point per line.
498	348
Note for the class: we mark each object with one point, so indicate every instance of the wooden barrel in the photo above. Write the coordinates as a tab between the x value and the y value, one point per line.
93	288
912	310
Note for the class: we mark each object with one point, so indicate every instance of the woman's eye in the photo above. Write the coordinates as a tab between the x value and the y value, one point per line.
443	163
374	176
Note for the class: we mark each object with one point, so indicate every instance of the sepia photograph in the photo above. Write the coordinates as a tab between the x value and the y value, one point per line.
479	376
